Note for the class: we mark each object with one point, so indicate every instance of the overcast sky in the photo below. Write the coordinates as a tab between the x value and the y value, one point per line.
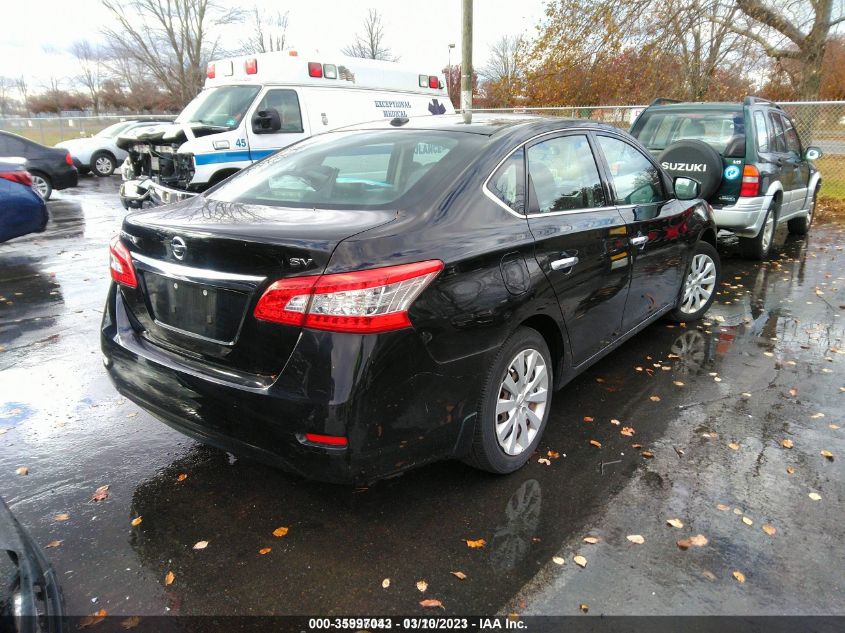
35	38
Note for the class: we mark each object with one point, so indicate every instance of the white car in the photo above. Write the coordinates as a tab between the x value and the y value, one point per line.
98	153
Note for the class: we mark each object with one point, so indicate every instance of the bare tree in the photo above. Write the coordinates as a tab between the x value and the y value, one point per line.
23	91
6	86
172	39
503	63
793	29
91	76
269	32
370	43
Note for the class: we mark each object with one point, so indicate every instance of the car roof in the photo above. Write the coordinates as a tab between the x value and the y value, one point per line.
691	105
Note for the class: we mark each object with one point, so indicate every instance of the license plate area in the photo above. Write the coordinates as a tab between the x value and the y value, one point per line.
208	312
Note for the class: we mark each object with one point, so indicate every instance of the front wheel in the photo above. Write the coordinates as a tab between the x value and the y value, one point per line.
700	283
103	164
514	405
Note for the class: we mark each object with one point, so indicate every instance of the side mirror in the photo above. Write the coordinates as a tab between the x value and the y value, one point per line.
266	121
813	153
686	188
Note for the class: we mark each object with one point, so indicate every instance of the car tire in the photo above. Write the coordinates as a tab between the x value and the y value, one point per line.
505	438
103	164
42	185
700	284
801	226
760	246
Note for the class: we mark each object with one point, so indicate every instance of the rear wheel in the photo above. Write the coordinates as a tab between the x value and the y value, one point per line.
700	283
801	226
760	246
514	404
42	184
103	164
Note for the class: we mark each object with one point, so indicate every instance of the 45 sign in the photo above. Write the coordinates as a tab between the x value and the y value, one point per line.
241	142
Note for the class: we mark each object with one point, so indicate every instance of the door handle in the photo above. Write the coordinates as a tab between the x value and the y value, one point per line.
640	240
566	262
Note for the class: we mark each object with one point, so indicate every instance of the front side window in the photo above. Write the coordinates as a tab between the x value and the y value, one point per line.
355	170
635	178
762	132
223	106
286	103
563	175
791	136
508	183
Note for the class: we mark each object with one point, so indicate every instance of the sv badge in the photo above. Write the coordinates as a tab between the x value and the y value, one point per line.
300	262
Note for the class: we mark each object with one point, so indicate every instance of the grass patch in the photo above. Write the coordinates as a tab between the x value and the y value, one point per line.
833	176
49	132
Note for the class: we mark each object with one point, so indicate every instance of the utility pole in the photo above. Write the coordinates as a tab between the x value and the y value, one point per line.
466	62
449	82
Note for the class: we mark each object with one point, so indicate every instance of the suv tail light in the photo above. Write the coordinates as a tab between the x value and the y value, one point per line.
364	302
120	264
750	182
22	177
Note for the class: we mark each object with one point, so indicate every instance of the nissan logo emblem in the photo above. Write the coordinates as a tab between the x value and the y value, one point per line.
178	247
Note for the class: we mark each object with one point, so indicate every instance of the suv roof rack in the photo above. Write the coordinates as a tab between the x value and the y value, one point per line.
662	100
752	100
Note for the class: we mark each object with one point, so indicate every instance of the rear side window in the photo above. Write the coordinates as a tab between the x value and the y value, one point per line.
762	132
508	183
791	136
286	103
564	176
635	178
778	140
15	146
659	129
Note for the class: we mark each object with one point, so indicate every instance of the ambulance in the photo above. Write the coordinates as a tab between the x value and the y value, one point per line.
254	105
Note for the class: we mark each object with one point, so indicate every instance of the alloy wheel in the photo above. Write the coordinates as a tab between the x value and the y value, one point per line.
768	232
41	187
104	165
700	283
523	395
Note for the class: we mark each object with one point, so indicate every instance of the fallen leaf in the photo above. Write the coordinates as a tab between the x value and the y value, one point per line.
459	575
636	538
790	470
684	544
265	550
544	461
816	416
827	455
737	511
200	544
654	398
675	523
627	431
636	446
595	443
733	446
385	583
787	443
740	577
53	544
833	426
580	561
699	540
431	602
169	577
588	418
553	454
793	392
101	493
279	532
723	507
23	470
745	394
647	454
182	477
583	606
815	496
131	622
615	422
136	521
61	517
476	544
709	575
747	521
422	585
770	529
717	379
677	383
592	540
94	618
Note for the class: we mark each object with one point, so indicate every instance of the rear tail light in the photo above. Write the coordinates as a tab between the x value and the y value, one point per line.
22	177
120	264
251	66
326	440
315	69
433	82
364	302
69	159
209	71
750	182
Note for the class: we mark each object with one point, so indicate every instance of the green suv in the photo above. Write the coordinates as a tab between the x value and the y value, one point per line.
747	158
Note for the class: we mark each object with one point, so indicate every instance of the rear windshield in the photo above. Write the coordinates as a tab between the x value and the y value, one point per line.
660	128
353	170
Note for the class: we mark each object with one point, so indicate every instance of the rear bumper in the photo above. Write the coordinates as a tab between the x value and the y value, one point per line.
140	193
65	178
745	218
395	406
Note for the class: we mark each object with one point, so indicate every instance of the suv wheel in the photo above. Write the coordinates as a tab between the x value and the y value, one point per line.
760	246
514	405
700	284
801	226
103	164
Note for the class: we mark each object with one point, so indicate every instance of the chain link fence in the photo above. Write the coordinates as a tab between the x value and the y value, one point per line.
51	130
820	123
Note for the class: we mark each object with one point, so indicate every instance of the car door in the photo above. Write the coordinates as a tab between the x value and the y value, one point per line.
294	124
656	227
785	170
796	162
580	239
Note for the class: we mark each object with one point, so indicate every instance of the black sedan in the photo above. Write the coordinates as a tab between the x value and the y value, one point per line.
395	293
51	168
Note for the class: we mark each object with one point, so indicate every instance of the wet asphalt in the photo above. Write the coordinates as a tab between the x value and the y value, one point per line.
708	404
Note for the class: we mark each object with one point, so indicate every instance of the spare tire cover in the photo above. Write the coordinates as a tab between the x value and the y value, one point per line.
691	158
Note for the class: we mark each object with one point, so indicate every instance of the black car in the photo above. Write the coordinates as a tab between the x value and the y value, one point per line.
387	295
748	157
51	168
30	595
